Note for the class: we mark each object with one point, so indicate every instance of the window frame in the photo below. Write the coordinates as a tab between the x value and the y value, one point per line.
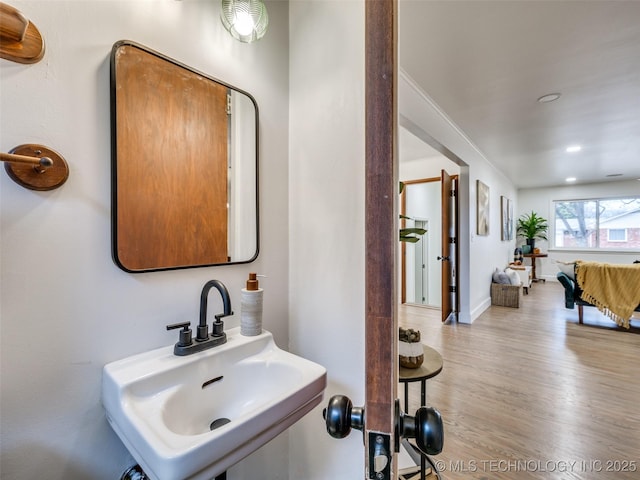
623	230
597	235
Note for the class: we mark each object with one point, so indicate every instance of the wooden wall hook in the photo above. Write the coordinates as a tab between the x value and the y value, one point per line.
20	40
46	170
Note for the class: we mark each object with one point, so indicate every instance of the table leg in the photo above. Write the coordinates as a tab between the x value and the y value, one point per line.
423	401
533	269
406	397
534	278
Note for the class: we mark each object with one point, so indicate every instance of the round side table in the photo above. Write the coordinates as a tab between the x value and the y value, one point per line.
431	366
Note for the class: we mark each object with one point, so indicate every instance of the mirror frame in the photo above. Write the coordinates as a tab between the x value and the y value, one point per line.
114	160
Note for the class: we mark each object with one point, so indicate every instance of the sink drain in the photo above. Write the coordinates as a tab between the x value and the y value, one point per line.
134	473
217	423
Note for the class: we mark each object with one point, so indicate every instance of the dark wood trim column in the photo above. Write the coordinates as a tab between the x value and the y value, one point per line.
381	215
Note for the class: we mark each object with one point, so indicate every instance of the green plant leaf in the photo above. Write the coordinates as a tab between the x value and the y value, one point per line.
532	225
416	231
409	239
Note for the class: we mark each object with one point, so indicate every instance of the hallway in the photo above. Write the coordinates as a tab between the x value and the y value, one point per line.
528	393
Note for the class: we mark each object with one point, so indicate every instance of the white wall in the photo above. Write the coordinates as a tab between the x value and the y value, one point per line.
326	238
541	201
429	167
66	308
480	255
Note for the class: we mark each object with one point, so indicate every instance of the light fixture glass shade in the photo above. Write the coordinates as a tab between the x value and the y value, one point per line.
245	20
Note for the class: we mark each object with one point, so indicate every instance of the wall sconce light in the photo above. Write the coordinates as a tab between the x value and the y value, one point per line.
245	20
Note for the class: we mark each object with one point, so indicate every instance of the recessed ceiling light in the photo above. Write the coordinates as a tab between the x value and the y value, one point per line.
549	97
574	148
570	179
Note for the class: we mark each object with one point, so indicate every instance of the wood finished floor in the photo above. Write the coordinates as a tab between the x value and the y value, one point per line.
525	393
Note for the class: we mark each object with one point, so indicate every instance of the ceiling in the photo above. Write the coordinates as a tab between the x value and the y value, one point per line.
485	64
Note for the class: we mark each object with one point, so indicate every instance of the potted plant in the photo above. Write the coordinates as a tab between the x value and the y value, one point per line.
532	226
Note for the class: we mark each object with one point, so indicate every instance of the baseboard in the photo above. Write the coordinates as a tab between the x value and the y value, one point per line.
479	310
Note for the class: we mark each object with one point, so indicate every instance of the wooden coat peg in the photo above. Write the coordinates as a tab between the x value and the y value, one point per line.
20	40
35	167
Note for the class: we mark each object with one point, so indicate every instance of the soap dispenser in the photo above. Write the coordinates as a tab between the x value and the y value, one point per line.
251	308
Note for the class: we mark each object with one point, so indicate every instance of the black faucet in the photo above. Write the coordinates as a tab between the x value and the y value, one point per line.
218	325
204	341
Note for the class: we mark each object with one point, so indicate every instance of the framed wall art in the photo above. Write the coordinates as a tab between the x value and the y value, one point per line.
482	214
506	218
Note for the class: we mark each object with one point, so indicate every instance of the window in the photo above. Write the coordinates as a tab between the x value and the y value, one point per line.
617	235
597	223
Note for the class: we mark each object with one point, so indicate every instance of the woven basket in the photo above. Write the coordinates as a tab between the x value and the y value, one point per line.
505	295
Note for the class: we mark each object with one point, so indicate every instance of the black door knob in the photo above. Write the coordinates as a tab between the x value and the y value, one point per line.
426	427
341	416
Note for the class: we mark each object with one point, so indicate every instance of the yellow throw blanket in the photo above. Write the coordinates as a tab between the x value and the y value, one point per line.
613	289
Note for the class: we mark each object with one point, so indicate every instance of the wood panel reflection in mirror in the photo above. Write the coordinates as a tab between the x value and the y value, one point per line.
184	165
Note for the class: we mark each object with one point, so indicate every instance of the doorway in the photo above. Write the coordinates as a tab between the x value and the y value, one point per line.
417	277
421	264
421	277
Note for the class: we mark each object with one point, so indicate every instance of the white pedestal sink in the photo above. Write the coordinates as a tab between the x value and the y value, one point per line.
193	417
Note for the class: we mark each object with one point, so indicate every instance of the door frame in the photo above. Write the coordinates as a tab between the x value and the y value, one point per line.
403	246
450	247
381	228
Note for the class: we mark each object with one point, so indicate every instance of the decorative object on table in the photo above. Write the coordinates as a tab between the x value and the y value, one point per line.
517	256
410	348
532	226
506	217
482	213
526	249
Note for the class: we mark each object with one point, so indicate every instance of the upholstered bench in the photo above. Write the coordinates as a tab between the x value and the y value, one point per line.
573	295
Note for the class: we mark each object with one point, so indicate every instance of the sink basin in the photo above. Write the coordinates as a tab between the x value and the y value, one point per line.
193	417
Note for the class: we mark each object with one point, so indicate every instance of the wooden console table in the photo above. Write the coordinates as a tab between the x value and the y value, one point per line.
533	257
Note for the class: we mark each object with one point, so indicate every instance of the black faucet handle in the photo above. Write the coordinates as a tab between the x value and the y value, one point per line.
185	333
217	329
222	315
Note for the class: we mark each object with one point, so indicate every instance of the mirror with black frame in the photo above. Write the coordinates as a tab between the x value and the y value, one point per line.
184	165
